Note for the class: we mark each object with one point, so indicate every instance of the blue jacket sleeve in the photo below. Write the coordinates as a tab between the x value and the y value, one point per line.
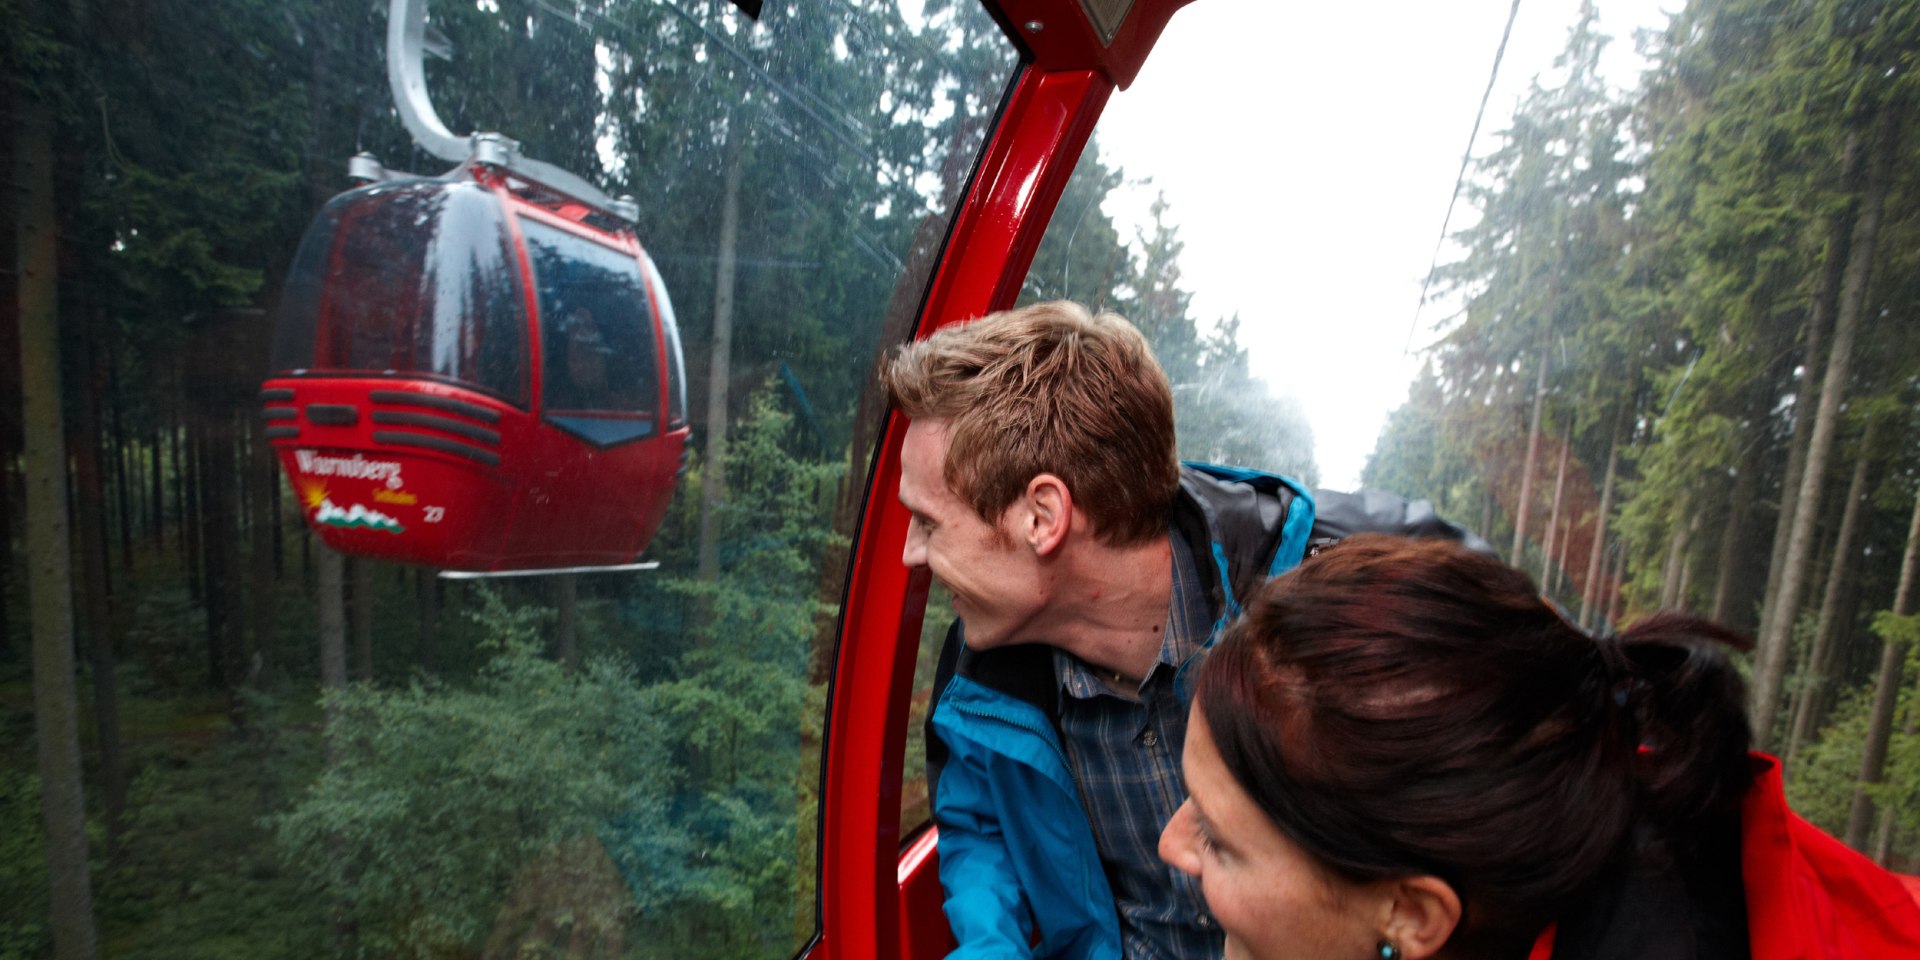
985	905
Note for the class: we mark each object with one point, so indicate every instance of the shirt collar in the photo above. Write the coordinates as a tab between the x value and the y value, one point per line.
1184	634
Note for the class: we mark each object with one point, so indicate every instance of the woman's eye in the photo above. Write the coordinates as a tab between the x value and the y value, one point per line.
1206	841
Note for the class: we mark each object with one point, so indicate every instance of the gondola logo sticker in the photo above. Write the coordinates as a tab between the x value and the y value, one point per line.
355	467
354	516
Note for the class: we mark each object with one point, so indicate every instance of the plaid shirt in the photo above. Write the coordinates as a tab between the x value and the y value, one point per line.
1125	752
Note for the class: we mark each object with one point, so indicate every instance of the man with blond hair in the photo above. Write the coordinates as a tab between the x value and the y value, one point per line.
1090	571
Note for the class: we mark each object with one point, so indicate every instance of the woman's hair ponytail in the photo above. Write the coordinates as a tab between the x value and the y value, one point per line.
1688	705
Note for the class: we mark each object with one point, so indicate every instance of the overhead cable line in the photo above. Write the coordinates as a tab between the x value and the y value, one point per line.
1466	158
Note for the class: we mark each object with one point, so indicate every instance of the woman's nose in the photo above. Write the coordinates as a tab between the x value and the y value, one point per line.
1178	842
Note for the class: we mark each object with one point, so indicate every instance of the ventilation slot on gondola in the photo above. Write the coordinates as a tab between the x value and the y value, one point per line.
472	411
450	425
333	414
404	438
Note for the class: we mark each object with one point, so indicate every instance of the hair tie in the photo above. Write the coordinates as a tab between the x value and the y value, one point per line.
1624	685
1616	669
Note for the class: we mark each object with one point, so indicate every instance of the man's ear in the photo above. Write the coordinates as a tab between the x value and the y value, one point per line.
1048	516
1423	914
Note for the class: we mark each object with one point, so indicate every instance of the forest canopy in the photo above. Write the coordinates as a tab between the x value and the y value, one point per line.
1682	375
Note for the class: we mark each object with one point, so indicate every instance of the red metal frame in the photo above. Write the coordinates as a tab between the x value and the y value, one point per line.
1048	117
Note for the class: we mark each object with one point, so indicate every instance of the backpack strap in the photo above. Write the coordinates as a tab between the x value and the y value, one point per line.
1254	525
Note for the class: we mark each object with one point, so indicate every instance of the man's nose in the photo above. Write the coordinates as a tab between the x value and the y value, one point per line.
914	554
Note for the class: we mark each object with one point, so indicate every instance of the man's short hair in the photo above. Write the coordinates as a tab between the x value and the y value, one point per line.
1049	388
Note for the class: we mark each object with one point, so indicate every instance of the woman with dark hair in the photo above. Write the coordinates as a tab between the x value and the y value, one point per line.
1403	752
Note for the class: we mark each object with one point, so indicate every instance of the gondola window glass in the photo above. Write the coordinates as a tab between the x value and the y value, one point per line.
676	361
320	755
596	324
373	294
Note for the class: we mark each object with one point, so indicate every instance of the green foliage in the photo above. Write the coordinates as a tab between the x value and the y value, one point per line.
198	874
747	721
1822	781
23	869
1822	784
443	797
536	804
1890	627
29	49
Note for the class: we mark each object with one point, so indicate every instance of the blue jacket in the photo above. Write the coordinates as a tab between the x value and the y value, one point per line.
1015	846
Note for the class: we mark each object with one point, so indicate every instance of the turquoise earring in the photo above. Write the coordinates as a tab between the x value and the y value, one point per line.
1388	951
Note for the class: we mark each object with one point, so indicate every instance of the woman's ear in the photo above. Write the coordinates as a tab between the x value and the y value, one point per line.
1424	913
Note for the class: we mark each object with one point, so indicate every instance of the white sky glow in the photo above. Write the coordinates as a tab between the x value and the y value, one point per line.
1307	152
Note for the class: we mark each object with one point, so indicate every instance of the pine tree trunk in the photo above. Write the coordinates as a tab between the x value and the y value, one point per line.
1770	655
361	599
96	614
49	562
427	590
1553	517
566	601
261	476
330	574
1825	303
10	495
1616	605
1814	679
1886	690
119	451
1682	599
1486	505
1883	834
1726	564
1527	471
156	491
1670	585
713	466
220	548
1590	594
1561	575
279	528
7	652
191	509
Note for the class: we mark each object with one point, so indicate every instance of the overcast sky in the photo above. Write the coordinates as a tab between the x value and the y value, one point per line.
1307	151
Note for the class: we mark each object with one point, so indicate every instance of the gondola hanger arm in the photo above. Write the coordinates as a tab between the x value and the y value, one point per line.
407	45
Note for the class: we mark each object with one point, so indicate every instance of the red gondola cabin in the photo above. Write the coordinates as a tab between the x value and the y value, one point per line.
477	373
